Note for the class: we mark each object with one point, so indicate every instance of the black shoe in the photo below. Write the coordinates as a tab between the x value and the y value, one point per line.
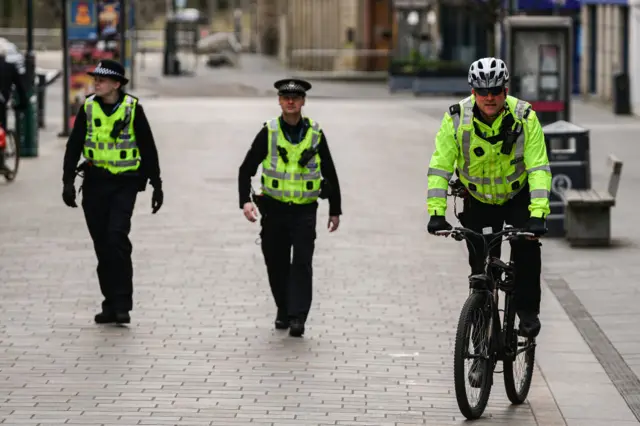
476	373
122	318
105	317
296	327
529	324
282	320
281	324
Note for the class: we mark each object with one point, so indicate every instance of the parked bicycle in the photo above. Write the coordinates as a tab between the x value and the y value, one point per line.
483	336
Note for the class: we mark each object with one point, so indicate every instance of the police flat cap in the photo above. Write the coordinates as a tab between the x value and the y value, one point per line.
292	86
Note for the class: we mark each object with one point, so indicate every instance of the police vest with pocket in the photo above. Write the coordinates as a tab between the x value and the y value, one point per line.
291	172
110	142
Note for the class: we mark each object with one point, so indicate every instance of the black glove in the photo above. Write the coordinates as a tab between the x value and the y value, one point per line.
438	223
536	225
157	198
69	195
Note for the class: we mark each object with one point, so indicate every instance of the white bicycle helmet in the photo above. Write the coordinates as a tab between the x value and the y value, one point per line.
488	72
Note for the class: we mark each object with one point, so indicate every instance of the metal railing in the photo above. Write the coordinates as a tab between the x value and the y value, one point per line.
51	38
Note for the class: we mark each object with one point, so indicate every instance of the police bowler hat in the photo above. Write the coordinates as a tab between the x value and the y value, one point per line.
110	69
292	86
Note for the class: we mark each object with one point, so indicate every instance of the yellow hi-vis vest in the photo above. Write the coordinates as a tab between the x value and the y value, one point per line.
490	176
118	154
287	181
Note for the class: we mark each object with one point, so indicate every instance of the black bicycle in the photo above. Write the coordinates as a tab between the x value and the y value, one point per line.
491	338
9	155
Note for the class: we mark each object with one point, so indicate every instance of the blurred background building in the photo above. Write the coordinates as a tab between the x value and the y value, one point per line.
370	37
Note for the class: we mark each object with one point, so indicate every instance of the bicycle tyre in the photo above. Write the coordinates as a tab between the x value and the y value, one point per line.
474	301
9	174
516	396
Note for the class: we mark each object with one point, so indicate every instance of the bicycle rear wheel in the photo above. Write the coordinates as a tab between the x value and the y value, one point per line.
473	327
519	358
10	157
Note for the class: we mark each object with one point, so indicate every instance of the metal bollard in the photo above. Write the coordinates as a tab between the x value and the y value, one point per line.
42	84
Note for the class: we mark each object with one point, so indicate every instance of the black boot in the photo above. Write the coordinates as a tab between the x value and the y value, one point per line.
296	327
105	317
529	324
122	318
282	321
476	373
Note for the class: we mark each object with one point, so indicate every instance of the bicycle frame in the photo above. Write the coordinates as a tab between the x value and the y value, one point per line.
497	275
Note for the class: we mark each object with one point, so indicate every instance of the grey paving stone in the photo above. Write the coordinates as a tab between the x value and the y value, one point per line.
201	345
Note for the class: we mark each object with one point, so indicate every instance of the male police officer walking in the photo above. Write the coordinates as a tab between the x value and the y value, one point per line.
114	136
297	169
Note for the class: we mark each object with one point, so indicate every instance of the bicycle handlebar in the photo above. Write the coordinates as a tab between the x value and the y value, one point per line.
461	232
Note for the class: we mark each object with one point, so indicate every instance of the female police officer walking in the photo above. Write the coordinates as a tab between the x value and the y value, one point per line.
113	134
297	169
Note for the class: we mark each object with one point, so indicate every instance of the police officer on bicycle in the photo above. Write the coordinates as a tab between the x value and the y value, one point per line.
494	143
112	133
297	169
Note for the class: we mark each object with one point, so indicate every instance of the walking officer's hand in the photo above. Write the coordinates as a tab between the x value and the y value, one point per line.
69	195
438	223
157	198
334	222
250	211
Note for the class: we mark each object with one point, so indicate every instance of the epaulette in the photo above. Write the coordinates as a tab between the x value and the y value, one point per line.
454	109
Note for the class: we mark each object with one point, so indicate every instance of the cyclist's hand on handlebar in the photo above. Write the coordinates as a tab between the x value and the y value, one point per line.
69	195
536	225
438	223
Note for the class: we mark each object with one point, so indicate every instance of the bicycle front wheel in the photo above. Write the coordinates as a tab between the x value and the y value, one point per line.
519	359
10	157
473	361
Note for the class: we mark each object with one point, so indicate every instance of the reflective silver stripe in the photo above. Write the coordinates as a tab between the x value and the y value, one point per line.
437	193
467	118
480	181
538	168
456	124
312	165
89	112
437	172
110	145
297	194
119	163
128	107
539	193
286	176
273	134
520	168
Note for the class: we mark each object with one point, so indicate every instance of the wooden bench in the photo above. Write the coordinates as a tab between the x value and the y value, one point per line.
587	220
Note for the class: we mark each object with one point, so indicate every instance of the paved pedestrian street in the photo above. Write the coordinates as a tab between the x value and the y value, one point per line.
201	348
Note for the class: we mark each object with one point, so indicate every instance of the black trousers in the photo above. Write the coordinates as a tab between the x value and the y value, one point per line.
290	276
108	207
525	253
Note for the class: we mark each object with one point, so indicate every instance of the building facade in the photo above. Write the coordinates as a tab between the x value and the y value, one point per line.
606	43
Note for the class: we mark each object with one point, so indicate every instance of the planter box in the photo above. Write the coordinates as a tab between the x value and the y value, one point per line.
441	81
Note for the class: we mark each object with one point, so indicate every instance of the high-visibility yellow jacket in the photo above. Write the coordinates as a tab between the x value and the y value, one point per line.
490	176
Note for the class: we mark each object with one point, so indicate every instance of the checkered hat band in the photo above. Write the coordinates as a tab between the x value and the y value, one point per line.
106	72
291	88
